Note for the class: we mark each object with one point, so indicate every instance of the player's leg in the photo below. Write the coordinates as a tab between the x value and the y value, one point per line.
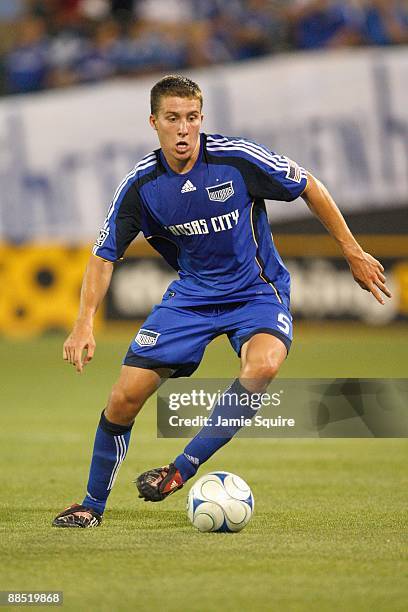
261	357
262	336
171	342
134	387
129	394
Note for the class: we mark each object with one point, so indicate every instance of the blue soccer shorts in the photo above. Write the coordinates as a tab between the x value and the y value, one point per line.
175	337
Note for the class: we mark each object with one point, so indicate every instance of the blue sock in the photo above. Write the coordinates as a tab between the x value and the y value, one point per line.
205	444
110	448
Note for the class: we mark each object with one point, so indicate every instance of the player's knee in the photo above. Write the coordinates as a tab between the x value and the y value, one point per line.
124	402
264	371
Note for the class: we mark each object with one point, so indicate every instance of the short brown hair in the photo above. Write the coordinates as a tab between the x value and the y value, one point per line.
174	85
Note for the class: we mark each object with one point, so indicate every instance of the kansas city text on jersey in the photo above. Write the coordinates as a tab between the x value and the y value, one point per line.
200	226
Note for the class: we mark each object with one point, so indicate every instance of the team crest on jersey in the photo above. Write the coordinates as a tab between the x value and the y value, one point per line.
145	337
103	234
220	193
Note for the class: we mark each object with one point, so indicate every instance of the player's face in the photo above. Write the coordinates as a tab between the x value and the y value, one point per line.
178	124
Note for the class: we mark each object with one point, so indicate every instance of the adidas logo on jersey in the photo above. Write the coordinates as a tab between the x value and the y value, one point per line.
188	186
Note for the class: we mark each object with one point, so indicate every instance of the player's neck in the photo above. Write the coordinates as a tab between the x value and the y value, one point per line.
182	166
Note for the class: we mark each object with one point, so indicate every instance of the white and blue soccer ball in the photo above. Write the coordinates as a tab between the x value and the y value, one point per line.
221	502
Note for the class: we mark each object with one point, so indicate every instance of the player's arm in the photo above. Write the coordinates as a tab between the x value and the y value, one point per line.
79	347
122	225
367	271
276	177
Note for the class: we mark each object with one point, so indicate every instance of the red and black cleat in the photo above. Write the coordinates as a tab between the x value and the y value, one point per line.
158	483
77	516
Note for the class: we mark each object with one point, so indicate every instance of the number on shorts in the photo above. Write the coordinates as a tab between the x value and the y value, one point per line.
284	323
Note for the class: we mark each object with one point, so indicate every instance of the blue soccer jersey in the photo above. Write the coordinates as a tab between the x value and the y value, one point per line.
210	224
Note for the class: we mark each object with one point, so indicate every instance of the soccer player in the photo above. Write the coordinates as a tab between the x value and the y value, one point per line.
199	201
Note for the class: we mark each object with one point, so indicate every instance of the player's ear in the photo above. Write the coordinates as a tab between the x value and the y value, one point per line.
152	121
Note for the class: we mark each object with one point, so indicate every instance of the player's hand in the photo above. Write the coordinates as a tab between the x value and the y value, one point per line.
369	274
79	347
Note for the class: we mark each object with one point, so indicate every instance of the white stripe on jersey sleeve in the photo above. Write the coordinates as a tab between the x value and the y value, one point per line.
146	162
263	151
280	163
284	166
251	147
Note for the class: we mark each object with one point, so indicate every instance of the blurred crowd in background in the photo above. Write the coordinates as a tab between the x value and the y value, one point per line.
58	43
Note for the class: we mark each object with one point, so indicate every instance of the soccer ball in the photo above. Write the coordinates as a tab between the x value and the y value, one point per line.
221	502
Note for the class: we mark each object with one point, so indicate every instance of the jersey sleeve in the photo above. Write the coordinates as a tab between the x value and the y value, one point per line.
275	177
122	223
267	175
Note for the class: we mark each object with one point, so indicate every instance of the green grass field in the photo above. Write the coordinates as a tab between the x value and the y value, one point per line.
329	529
